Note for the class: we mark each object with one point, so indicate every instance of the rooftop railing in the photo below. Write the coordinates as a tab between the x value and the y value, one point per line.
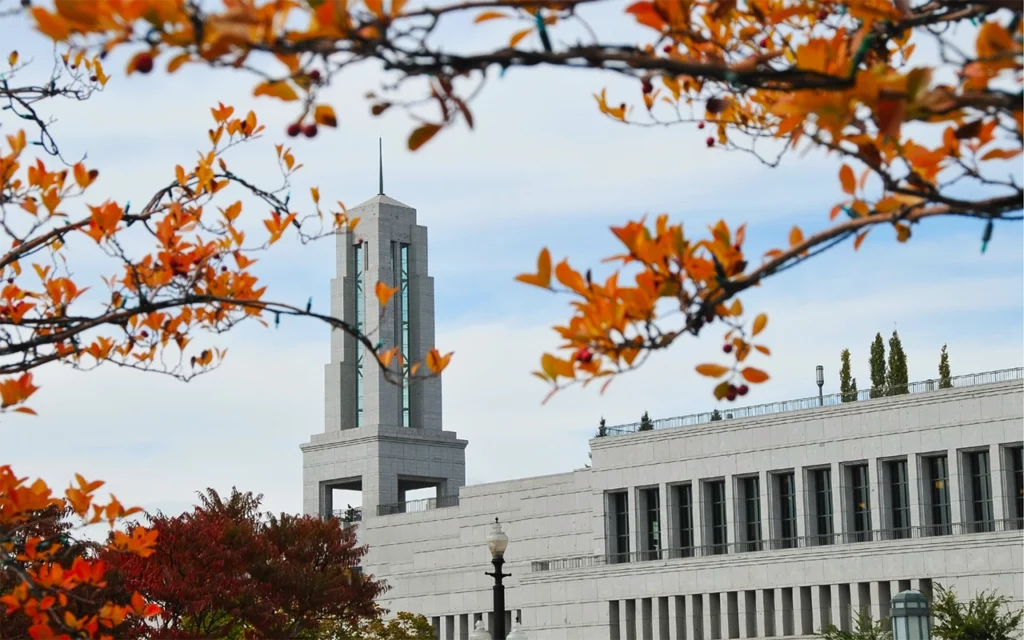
349	517
705	551
969	380
413	506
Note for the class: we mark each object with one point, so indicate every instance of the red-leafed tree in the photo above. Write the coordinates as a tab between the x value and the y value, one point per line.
226	570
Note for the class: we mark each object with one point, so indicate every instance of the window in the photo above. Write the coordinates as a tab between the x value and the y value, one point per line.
717	517
684	515
821	501
899	499
619	503
750	490
786	492
360	270
1015	486
403	341
860	502
650	500
979	492
936	469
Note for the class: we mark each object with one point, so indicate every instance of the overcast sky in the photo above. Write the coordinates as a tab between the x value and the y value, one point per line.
542	167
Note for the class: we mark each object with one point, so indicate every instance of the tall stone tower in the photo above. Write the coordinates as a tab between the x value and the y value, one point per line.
381	438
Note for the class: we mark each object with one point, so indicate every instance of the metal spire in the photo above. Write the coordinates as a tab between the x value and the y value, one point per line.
380	165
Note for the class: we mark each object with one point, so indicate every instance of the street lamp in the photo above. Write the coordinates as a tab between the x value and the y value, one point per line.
517	633
479	633
497	542
819	374
911	619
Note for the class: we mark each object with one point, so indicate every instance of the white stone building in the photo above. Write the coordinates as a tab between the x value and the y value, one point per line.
772	522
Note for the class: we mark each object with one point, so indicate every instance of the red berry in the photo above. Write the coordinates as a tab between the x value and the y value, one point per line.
623	106
700	125
764	42
93	78
584	355
314	75
144	63
727	348
309	130
822	14
710	141
667	48
743	389
294	129
144	335
647	86
731	393
10	280
223	269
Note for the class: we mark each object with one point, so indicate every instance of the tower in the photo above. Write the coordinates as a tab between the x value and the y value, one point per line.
381	438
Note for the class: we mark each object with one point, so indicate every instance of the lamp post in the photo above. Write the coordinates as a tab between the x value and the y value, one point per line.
479	633
819	375
911	618
497	542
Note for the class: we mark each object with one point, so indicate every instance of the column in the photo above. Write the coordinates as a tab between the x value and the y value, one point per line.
769	525
749	618
665	519
785	616
614	620
731	533
805	618
732	614
841	606
448	627
677	618
877	521
914	490
647	618
995	457
818	620
662	628
802	510
860	600
713	616
697	515
840	499
629	621
956	507
632	504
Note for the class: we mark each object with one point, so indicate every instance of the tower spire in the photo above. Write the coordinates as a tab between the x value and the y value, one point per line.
380	166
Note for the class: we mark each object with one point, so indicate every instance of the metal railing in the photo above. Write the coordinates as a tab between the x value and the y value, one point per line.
833	399
349	517
414	506
704	551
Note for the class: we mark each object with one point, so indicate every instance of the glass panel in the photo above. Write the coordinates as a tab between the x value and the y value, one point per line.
652	498
752	513
1017	486
899	499
787	509
719	514
938	495
620	507
822	481
686	520
403	287
981	492
861	502
360	257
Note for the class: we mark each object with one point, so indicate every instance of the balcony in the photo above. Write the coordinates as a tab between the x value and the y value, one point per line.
768	546
415	506
959	382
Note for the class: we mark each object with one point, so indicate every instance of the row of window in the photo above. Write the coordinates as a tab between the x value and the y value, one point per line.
894	491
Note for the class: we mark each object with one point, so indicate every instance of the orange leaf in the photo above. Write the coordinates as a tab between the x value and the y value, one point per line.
324	115
436	362
796	236
848	180
754	376
763	349
384	293
760	322
712	370
280	90
647	14
420	136
51	25
859	240
542	278
518	36
489	15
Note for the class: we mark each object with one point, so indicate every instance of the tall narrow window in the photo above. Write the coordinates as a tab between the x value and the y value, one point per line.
786	492
821	492
403	292
939	518
718	512
979	487
751	488
860	502
619	504
1015	486
360	257
899	498
684	543
652	522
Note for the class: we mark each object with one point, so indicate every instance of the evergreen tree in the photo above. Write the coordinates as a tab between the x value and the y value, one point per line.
897	380
847	383
945	377
602	430
878	367
715	416
645	423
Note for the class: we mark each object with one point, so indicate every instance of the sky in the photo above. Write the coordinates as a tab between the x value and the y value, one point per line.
542	167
